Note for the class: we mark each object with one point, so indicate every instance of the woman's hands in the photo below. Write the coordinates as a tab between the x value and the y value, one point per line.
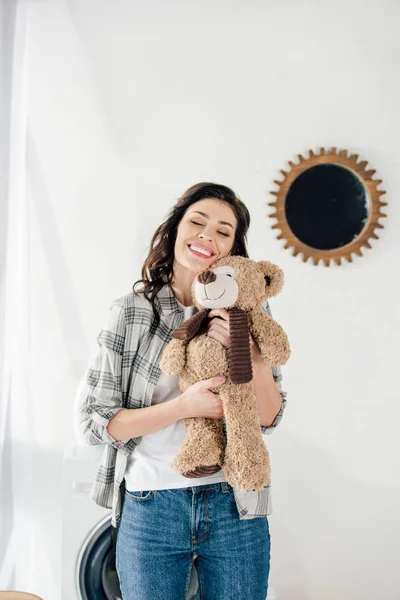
199	401
218	328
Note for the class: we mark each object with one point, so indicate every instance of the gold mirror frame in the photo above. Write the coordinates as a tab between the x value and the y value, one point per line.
349	162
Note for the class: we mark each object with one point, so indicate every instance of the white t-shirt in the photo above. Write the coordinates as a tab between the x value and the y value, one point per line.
150	465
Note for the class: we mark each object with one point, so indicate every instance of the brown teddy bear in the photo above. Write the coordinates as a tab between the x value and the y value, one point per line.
241	286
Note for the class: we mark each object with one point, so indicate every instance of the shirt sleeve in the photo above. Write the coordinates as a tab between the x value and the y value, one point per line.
277	375
100	393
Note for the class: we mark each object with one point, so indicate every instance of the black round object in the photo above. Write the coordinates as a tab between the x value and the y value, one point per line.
96	572
326	206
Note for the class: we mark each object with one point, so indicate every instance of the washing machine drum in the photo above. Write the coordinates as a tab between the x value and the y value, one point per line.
97	578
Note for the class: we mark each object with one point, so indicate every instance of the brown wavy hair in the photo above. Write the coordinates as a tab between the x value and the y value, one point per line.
158	267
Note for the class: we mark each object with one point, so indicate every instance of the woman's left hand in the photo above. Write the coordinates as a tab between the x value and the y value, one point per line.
218	328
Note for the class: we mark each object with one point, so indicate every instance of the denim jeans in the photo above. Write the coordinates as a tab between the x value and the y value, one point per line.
162	532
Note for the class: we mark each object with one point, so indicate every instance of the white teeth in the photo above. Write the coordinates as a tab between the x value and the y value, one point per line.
198	249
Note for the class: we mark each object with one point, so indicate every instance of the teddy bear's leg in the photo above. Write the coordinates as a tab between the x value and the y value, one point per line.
246	463
202	452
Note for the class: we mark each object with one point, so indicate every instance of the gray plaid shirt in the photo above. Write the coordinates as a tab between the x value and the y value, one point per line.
123	374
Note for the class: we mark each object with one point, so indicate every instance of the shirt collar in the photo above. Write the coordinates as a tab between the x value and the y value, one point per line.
167	300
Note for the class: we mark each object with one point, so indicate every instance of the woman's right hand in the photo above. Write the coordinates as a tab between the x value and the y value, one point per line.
198	401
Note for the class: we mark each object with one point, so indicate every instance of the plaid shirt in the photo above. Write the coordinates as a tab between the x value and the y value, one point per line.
123	375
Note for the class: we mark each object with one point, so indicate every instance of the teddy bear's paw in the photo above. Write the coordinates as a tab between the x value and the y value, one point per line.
246	484
247	473
191	462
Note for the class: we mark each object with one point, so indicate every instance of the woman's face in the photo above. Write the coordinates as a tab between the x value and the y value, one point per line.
205	233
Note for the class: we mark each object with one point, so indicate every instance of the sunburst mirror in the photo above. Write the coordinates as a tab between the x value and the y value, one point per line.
327	206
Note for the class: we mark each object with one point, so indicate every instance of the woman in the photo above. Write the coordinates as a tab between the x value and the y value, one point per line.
166	521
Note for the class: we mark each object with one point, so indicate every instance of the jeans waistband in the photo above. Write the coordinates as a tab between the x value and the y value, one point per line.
219	485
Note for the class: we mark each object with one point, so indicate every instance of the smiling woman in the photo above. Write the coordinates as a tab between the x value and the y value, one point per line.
207	222
205	234
139	413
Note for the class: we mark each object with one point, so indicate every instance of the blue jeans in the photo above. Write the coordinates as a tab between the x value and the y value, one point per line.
162	532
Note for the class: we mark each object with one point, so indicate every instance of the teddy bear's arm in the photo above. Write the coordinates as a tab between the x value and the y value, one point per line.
173	358
269	337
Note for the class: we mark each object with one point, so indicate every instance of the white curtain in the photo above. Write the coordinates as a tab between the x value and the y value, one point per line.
16	472
22	555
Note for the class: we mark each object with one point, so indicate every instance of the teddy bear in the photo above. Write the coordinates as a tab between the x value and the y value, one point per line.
240	285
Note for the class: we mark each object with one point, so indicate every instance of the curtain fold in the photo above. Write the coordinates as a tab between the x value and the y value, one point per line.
16	466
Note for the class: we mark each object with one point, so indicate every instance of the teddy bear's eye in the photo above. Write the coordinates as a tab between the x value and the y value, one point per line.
229	275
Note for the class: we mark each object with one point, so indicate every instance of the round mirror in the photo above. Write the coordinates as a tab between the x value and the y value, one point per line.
328	206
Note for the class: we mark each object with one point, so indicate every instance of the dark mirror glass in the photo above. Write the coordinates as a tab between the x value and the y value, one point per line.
326	207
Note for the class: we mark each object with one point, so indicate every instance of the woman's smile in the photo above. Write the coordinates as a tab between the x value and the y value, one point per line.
201	252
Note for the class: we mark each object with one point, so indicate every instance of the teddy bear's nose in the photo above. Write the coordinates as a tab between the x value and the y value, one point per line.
207	277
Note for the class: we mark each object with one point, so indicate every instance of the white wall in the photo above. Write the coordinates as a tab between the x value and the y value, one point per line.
130	103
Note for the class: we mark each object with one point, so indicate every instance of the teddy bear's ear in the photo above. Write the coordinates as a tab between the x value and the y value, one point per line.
273	276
